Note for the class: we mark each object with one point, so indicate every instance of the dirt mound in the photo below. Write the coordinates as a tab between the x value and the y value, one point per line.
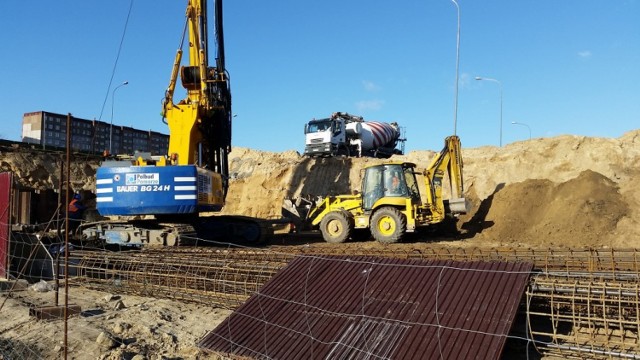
566	190
562	191
34	169
581	212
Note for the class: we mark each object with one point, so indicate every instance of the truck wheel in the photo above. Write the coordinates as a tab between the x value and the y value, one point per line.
336	227
388	225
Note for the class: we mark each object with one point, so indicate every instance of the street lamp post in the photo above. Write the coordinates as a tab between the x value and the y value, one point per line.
499	83
523	124
455	105
111	126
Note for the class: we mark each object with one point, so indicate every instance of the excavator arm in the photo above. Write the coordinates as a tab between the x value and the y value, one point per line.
447	162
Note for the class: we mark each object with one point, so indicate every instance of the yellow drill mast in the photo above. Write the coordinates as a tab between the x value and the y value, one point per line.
200	124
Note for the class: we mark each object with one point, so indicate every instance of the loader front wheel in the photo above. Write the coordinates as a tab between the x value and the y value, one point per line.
336	227
388	225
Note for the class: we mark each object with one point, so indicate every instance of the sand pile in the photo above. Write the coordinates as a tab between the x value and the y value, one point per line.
35	169
562	191
583	211
567	190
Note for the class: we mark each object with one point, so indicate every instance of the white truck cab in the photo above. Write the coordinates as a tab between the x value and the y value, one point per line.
325	137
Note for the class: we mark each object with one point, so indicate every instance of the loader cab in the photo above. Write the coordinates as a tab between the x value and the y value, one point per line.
394	180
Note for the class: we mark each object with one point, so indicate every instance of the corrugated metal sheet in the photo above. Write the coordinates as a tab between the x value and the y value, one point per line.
5	216
376	308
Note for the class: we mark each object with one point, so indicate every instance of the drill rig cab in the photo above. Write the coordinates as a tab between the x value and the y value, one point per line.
390	203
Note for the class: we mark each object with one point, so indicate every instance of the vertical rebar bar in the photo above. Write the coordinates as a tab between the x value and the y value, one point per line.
66	239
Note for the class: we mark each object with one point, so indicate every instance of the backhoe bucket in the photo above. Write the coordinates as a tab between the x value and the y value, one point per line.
457	206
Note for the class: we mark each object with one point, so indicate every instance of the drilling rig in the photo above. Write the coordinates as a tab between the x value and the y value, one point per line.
164	197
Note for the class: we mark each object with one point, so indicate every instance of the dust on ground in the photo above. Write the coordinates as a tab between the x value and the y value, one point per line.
110	327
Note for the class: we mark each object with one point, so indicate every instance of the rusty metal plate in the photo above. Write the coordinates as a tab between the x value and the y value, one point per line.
334	307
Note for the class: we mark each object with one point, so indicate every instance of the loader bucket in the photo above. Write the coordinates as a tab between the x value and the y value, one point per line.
297	211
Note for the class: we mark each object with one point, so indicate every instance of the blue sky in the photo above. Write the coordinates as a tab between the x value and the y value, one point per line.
566	67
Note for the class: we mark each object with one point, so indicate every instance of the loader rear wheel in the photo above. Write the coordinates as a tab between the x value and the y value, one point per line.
336	227
388	225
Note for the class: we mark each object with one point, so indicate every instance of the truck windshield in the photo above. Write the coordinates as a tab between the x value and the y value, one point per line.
318	126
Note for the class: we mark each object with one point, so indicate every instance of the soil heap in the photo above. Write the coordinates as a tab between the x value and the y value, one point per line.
571	191
564	191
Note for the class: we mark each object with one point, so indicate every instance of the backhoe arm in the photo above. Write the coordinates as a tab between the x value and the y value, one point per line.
449	162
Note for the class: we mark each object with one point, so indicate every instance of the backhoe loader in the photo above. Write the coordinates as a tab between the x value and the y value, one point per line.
389	203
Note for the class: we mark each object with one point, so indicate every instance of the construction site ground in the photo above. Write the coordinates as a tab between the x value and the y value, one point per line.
565	192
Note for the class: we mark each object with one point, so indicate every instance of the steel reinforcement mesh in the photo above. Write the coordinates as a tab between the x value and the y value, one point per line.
579	303
584	318
198	276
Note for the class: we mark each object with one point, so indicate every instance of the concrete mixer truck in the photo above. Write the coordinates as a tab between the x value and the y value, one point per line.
349	135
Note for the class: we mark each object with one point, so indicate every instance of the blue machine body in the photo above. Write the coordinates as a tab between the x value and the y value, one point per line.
152	190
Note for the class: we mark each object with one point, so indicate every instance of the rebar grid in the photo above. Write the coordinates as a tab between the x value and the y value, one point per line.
592	261
580	303
223	282
568	315
199	271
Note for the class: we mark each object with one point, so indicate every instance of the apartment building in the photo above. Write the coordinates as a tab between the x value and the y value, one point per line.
50	130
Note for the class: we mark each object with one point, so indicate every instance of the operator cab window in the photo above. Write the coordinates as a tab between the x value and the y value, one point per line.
395	182
383	181
412	184
372	187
